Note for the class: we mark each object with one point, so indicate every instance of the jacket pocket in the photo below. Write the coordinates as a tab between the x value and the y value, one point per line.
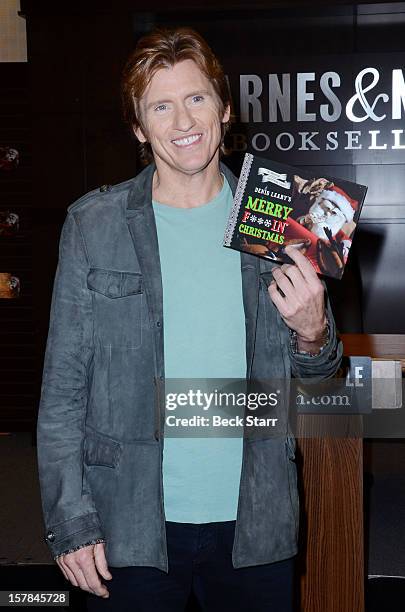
113	283
118	307
101	451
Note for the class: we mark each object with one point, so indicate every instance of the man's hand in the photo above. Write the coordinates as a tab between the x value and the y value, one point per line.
302	306
81	566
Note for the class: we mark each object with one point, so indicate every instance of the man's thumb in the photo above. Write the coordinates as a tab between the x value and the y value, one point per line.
101	561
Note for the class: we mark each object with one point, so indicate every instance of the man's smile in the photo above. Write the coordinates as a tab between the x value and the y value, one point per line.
187	140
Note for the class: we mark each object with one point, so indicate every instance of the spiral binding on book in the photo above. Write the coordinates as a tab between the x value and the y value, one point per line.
240	190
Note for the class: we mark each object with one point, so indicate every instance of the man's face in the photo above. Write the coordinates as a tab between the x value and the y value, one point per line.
325	213
181	118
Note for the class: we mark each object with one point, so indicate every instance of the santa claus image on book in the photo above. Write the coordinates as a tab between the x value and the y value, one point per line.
330	208
321	224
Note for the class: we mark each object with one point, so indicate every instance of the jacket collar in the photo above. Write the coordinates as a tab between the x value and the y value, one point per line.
140	194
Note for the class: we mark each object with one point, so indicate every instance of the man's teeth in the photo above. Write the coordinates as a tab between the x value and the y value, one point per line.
187	141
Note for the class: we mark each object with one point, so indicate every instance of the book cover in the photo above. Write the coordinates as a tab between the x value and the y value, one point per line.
276	205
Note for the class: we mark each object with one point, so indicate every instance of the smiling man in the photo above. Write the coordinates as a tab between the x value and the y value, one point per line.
181	122
145	291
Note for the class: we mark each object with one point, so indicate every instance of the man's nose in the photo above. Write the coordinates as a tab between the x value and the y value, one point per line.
183	119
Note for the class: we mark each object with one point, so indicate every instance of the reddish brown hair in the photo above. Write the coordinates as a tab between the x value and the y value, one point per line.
163	48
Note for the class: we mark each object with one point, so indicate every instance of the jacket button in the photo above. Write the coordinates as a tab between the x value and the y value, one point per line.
158	324
50	536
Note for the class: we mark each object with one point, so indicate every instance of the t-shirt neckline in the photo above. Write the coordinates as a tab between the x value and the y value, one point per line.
208	205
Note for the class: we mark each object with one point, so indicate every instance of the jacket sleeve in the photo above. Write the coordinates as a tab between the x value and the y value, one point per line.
70	517
327	362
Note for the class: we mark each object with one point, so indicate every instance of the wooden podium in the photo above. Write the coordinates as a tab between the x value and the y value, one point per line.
331	559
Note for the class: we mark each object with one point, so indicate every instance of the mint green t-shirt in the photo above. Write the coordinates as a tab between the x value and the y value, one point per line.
204	337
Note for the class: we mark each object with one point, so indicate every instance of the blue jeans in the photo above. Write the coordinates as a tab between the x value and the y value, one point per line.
199	562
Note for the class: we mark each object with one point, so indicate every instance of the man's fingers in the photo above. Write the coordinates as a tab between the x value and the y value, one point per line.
69	573
91	577
277	299
80	577
294	274
78	574
101	561
58	561
305	266
284	283
308	287
80	566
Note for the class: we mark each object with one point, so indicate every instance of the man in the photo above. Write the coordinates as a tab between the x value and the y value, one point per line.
143	291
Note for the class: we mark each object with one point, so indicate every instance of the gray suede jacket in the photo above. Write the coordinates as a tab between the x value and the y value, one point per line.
101	414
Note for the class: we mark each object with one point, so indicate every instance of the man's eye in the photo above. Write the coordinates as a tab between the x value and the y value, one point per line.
197	98
161	107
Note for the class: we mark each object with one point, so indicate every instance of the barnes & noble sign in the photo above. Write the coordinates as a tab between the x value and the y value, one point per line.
347	109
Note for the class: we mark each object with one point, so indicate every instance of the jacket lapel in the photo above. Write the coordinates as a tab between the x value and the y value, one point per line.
250	271
142	227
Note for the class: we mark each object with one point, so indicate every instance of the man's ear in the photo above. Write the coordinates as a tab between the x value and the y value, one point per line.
139	134
227	114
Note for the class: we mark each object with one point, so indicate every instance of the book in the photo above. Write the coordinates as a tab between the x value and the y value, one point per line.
276	205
